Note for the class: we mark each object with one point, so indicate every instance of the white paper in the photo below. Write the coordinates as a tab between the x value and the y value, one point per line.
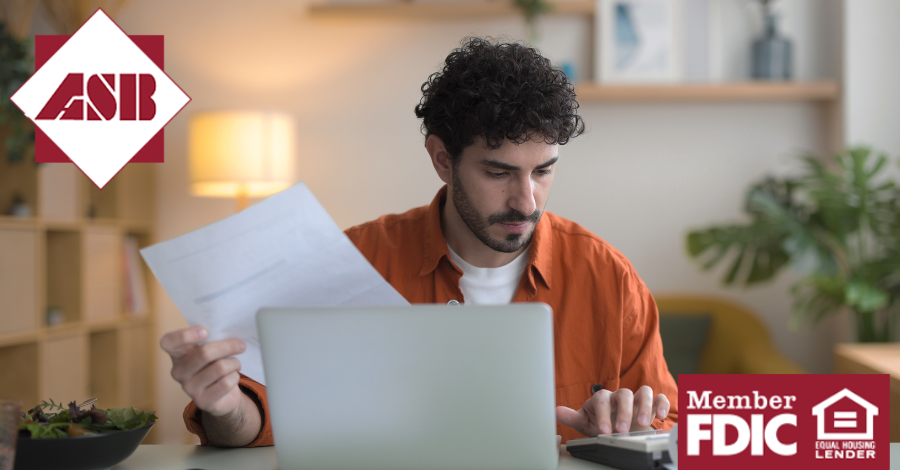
284	251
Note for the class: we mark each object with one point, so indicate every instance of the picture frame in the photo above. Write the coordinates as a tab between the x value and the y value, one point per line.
638	41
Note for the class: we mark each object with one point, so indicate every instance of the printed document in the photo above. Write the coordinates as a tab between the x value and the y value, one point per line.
284	251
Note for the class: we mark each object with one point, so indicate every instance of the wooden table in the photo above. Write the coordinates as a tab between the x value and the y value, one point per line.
874	359
181	457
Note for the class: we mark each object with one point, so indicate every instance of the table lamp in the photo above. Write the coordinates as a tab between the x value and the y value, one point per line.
241	154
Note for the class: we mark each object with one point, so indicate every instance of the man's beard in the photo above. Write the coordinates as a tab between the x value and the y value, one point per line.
479	225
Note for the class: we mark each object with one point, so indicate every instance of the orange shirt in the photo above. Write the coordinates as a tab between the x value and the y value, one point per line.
606	325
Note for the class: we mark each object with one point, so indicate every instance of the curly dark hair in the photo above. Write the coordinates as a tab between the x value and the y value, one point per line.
498	91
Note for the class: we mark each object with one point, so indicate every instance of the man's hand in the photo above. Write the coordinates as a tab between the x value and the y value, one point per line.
210	377
627	410
207	373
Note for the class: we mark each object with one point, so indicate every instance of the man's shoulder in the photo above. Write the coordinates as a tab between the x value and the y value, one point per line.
572	239
390	227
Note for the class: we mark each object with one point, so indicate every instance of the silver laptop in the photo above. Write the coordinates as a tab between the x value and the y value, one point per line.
412	387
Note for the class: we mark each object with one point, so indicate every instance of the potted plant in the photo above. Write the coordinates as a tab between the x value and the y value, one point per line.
16	66
837	225
532	9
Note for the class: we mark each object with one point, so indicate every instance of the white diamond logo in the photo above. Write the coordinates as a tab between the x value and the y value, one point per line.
100	99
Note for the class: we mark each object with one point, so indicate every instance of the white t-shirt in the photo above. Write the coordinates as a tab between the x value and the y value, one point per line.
490	286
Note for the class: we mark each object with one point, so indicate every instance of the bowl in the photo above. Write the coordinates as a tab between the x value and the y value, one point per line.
94	452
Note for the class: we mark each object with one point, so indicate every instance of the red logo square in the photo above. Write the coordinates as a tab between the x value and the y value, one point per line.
783	421
45	150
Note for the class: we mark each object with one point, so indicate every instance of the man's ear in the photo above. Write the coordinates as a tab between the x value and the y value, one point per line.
440	158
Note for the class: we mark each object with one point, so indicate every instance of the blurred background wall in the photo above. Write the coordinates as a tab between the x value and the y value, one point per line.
641	177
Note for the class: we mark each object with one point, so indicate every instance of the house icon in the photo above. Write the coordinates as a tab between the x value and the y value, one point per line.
845	419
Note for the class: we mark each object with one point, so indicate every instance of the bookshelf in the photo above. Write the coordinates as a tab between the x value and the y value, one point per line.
822	92
67	326
440	10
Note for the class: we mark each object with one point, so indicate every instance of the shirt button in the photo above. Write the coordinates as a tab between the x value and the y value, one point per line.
453	303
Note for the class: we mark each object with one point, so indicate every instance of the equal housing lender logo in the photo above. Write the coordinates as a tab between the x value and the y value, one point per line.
99	98
783	421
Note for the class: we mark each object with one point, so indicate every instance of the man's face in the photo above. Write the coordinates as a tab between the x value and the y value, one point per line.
500	194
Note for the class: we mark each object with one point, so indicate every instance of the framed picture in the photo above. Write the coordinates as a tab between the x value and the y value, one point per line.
638	41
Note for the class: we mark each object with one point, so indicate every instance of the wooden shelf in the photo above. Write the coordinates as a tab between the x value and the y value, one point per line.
20	373
19	337
822	91
817	91
69	328
440	10
10	221
139	227
69	255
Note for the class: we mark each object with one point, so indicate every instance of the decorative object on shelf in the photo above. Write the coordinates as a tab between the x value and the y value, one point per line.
639	41
54	316
772	53
837	225
16	66
241	154
532	9
18	207
570	70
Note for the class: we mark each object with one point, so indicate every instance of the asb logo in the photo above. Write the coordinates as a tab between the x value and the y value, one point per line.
783	421
99	99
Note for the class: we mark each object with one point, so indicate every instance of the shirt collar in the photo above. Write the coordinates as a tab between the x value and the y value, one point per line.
435	245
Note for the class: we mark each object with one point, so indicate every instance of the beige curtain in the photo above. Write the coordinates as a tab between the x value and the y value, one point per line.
67	16
16	15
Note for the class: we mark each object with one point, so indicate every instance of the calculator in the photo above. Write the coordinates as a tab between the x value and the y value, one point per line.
640	450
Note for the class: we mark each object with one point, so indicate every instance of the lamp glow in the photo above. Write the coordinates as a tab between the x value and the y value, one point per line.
241	154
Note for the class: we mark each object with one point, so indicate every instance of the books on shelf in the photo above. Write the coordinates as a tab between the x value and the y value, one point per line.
135	287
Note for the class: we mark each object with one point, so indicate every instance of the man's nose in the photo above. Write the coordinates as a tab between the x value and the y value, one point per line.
522	198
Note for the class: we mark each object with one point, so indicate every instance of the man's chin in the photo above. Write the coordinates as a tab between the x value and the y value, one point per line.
511	243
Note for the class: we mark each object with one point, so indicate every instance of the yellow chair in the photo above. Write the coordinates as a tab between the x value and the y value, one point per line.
737	342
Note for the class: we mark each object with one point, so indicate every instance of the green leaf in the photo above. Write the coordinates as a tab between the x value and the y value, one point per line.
61	417
129	418
766	264
735	266
47	431
55	425
837	225
865	297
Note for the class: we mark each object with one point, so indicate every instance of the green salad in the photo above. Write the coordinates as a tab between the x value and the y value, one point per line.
52	420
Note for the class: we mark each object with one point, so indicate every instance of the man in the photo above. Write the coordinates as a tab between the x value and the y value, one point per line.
494	118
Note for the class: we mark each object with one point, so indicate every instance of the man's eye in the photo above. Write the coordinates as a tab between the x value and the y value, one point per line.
496	175
543	172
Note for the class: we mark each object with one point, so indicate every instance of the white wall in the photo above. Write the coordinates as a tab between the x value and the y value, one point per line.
642	176
872	74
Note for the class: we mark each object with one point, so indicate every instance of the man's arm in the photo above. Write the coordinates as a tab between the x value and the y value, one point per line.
235	429
643	362
647	395
209	375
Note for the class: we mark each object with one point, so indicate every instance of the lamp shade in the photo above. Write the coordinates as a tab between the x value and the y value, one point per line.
241	154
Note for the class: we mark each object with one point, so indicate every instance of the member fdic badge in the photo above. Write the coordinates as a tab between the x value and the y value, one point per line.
783	421
99	98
